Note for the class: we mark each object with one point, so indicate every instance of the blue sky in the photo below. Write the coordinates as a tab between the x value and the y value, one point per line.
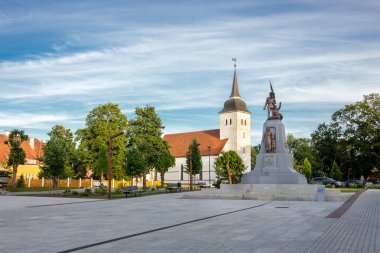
59	59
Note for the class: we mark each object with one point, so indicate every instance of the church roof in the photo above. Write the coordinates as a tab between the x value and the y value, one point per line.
32	152
235	103
179	142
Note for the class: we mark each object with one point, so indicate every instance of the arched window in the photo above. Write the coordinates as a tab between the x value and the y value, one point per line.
226	122
230	121
241	121
245	122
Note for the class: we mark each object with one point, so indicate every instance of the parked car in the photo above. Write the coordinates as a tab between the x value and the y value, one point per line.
354	181
374	182
325	181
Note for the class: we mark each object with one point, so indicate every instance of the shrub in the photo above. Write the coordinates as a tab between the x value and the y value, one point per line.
67	192
118	190
21	182
102	190
85	194
88	191
75	193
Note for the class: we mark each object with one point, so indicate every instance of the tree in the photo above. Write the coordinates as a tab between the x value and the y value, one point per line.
335	172
135	163
17	154
59	132
55	157
145	134
101	163
102	122
165	161
307	171
196	159
229	165
254	151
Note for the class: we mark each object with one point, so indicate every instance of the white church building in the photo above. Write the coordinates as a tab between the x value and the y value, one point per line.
234	133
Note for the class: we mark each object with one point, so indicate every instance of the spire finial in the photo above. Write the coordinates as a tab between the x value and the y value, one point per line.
234	60
235	89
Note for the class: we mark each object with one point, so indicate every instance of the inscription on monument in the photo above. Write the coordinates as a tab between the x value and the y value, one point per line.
268	161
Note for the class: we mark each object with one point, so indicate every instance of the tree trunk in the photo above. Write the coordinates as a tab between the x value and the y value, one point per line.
162	179
229	172
155	175
101	176
144	181
14	176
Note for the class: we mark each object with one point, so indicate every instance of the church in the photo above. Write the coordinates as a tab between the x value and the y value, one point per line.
234	133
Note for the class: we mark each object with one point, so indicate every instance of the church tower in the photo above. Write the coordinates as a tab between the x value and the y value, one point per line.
235	125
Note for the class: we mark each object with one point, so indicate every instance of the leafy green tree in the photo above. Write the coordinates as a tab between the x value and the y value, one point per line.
101	164
55	157
307	170
300	148
229	165
254	152
135	164
103	122
165	161
335	172
59	132
196	158
17	154
145	133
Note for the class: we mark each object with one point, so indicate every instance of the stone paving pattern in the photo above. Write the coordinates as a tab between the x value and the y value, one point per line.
277	226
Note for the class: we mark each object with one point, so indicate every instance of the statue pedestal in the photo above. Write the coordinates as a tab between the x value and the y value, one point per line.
276	167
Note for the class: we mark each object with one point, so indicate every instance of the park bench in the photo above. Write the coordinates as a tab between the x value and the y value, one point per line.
174	187
132	190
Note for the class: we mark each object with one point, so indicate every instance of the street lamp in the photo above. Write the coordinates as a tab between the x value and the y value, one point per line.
209	166
109	142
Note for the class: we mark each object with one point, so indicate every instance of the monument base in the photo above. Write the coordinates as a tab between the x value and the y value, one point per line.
286	192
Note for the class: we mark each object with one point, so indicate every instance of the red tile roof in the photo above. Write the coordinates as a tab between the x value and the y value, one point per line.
179	143
31	153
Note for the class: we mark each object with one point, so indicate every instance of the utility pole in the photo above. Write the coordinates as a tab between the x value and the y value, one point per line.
109	143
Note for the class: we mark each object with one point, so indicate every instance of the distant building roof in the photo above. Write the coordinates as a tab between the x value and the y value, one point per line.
32	147
179	142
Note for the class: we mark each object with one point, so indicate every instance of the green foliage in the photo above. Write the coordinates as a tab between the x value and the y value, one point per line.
335	172
17	154
119	190
103	122
21	182
101	163
229	165
307	171
67	192
75	193
102	189
145	133
135	164
165	161
196	159
254	151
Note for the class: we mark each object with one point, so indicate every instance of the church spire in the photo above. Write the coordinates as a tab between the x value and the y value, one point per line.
235	88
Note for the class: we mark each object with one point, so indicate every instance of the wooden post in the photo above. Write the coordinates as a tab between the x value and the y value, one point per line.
113	183
91	183
123	182
80	182
43	182
29	178
68	182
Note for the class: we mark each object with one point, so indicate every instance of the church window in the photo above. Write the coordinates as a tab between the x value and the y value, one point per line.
241	121
230	121
181	171
245	122
226	122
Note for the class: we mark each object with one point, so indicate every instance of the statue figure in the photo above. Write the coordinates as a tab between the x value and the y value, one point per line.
270	105
268	140
273	142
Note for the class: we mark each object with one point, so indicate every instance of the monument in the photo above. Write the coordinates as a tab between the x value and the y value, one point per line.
273	163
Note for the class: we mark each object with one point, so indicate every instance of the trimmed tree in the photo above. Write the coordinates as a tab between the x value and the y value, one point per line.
165	161
135	163
229	165
335	172
17	154
101	163
196	159
307	171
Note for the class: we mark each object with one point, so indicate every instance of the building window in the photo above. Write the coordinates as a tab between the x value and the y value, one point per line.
226	122
243	134
181	171
245	122
241	121
230	121
243	150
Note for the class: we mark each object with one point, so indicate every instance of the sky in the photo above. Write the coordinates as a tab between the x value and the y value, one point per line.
60	59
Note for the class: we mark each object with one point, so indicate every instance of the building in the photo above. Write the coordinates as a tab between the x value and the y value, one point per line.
234	133
34	151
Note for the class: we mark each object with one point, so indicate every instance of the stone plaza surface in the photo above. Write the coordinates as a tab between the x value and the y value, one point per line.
31	224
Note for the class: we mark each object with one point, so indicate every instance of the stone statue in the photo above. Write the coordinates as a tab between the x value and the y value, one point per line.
268	140
270	105
273	142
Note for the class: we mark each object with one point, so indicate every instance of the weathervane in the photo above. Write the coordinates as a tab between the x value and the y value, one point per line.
234	60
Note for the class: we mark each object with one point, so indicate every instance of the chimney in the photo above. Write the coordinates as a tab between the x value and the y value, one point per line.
31	142
7	132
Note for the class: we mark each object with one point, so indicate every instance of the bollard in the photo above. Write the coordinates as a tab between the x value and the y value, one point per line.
321	193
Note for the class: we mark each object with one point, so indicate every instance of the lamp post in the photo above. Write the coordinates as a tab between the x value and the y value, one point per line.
209	166
109	142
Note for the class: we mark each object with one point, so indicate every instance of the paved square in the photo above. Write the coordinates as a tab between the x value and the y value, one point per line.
165	223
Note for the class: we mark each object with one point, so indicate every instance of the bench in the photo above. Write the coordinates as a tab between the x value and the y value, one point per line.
132	190
174	187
